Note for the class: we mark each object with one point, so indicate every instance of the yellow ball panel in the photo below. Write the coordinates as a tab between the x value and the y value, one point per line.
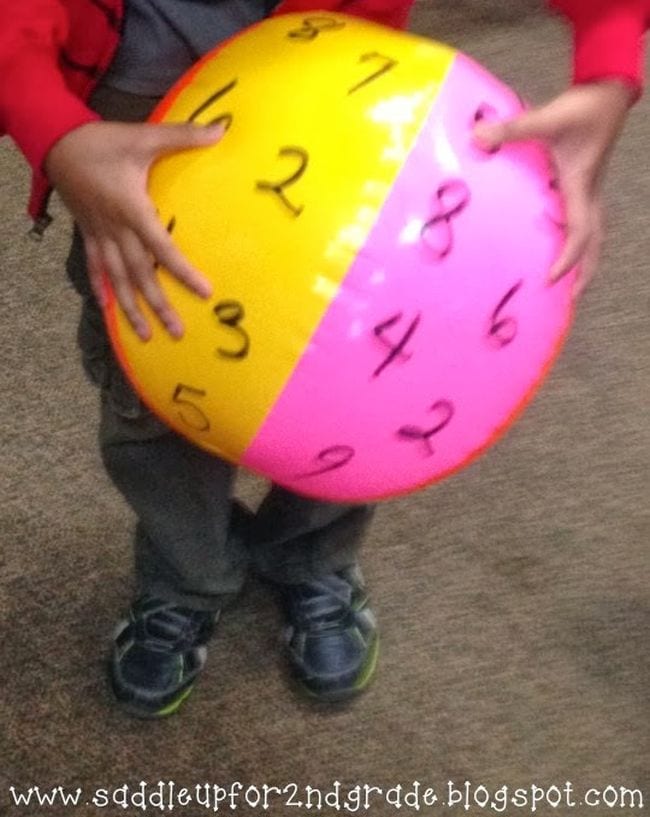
319	127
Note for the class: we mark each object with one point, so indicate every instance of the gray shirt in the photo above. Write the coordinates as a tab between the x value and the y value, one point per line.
163	38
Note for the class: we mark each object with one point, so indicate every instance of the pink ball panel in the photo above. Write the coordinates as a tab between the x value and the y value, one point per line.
444	324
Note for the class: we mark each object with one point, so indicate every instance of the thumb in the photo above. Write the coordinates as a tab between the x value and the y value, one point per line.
534	124
168	138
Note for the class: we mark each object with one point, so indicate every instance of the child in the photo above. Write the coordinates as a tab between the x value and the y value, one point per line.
79	78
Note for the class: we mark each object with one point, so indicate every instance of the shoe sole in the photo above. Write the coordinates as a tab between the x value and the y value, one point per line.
145	714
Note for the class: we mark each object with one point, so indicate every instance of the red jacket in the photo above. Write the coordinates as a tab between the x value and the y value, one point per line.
53	52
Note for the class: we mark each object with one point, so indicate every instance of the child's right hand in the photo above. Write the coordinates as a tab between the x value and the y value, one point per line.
100	171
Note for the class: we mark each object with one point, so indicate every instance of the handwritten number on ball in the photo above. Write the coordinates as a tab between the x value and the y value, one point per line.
278	187
486	113
313	26
226	118
445	410
190	413
230	314
388	63
554	187
503	329
453	197
396	349
330	459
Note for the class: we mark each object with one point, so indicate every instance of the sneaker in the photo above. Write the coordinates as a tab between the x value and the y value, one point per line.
331	635
158	652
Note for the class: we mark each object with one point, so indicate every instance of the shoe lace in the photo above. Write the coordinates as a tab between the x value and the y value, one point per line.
321	605
165	627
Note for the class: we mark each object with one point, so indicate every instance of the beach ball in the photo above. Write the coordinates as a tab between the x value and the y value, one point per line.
381	309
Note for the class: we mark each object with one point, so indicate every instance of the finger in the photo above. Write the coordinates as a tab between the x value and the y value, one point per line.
96	274
169	138
123	288
575	245
579	218
533	124
590	258
140	266
159	242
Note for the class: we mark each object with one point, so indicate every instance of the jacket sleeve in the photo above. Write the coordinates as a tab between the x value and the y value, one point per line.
36	105
608	38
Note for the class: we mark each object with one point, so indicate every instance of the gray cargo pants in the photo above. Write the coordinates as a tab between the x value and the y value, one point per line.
192	545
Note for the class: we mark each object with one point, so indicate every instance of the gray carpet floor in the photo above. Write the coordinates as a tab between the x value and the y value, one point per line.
514	598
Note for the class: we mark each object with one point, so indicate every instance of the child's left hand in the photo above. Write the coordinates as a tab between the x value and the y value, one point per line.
580	127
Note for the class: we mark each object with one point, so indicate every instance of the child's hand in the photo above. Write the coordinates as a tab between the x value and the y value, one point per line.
580	127
101	171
